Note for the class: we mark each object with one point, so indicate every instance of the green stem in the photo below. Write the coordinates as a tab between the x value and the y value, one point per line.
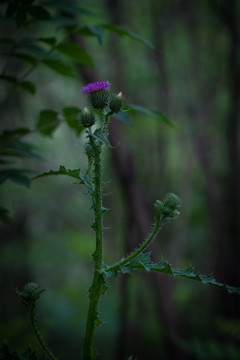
96	287
145	244
39	337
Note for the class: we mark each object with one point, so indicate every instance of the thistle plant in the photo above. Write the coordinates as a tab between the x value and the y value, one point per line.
106	105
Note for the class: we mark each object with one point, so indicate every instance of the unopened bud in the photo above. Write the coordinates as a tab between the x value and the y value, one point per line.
87	118
99	99
115	103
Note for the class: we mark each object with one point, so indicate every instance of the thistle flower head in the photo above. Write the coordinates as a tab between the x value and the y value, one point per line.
96	86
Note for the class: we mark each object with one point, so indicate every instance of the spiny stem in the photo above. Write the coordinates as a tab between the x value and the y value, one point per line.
39	337
96	287
141	248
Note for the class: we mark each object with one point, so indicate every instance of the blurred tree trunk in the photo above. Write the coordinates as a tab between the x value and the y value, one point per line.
137	210
223	201
229	13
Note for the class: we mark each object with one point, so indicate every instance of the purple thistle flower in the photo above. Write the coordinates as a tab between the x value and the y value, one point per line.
96	86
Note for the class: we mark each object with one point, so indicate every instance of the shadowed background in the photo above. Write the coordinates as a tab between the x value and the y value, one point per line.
193	78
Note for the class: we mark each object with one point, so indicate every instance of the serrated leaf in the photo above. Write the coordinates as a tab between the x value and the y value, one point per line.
59	67
92	30
152	113
123	32
61	171
71	116
98	134
5	217
38	12
76	53
15	175
85	179
48	122
143	261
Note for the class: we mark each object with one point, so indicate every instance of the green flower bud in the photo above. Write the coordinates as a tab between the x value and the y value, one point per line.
168	207
30	294
99	99
115	103
87	118
172	201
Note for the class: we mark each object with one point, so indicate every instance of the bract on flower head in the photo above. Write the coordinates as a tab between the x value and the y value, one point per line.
95	86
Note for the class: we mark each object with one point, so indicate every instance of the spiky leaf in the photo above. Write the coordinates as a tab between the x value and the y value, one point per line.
61	171
143	261
98	134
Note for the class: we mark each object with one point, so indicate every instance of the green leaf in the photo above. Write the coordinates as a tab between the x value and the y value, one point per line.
123	32
76	53
59	67
143	261
25	57
21	16
92	30
123	116
11	8
48	40
12	145
48	122
25	85
38	12
71	116
5	217
152	113
28	86
7	354
15	175
69	8
8	41
98	134
61	171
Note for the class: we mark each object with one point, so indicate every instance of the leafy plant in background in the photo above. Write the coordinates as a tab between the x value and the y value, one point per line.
22	54
47	51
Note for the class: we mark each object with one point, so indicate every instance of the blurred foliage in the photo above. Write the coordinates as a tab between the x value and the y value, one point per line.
184	73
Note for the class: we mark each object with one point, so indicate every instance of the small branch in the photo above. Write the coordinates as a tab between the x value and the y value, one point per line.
39	337
141	248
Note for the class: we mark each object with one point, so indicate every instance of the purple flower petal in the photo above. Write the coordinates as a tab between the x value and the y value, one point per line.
98	85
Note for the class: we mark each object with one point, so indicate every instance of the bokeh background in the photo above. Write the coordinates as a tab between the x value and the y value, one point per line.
193	78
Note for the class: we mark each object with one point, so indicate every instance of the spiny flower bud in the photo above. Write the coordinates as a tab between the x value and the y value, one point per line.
115	102
168	207
30	294
99	99
98	94
87	118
